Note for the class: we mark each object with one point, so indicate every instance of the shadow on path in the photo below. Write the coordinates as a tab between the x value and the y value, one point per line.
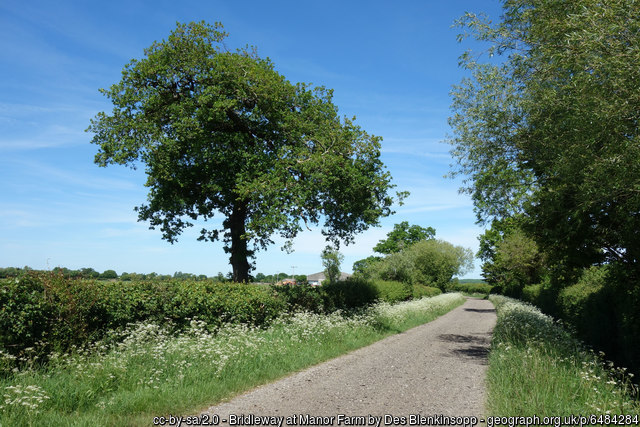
481	310
475	346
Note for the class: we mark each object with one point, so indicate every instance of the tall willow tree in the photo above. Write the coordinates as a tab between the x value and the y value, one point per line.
550	128
222	132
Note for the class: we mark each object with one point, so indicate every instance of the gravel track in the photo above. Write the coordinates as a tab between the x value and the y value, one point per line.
433	369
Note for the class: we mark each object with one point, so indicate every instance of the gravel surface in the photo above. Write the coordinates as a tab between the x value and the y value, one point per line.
434	369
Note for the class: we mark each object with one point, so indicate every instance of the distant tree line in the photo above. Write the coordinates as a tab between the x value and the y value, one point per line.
90	273
274	278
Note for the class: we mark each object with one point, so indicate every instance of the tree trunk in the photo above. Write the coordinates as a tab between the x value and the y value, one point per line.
238	249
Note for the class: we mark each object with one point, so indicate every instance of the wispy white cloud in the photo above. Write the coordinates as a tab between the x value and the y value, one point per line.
64	214
42	125
49	139
431	195
313	242
75	24
126	230
74	180
19	218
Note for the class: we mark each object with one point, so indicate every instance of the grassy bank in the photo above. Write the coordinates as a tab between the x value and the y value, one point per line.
152	370
537	367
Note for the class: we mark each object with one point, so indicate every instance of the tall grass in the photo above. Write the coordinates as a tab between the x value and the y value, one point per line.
537	367
152	370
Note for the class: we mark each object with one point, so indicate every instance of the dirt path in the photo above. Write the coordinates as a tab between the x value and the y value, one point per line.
434	369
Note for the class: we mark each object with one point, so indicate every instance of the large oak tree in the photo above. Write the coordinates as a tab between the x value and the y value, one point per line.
223	133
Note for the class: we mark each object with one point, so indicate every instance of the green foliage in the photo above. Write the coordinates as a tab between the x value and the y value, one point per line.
394	267
432	262
517	262
437	261
601	307
392	291
154	369
302	297
109	274
224	132
217	303
349	294
537	367
45	311
543	295
552	131
604	315
500	228
469	287
25	311
574	299
10	272
331	260
41	312
362	267
402	236
89	273
422	291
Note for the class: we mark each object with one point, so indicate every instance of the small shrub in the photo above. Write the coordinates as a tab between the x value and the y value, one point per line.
349	294
577	300
470	288
589	307
25	314
302	297
393	291
532	293
421	291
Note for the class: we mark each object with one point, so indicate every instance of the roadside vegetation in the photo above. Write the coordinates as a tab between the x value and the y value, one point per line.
151	368
475	288
545	132
82	348
538	367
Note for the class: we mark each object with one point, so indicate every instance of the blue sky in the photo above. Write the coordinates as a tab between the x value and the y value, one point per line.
391	64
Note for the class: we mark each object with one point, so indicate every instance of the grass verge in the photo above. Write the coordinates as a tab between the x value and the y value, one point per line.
150	370
538	368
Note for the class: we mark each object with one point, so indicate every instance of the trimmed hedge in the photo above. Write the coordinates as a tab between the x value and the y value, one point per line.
302	297
40	312
470	288
392	291
422	291
349	294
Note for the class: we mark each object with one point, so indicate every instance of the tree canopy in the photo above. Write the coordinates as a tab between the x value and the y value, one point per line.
550	129
331	260
402	236
432	262
413	255
222	132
